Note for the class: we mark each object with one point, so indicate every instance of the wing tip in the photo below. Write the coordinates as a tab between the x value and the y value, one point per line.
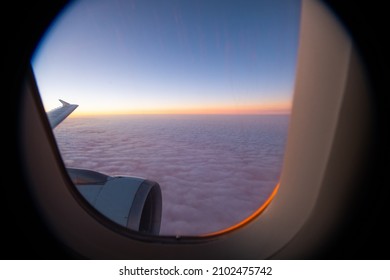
64	103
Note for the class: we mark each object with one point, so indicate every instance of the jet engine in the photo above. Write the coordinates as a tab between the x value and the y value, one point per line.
132	202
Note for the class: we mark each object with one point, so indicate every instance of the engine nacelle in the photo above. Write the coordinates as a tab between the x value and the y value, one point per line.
132	202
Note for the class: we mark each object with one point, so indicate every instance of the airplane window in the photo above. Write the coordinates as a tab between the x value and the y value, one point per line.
173	115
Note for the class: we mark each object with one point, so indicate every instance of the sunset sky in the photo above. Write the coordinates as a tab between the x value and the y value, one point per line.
171	57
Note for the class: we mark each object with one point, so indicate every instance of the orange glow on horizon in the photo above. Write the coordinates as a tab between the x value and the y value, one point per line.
280	108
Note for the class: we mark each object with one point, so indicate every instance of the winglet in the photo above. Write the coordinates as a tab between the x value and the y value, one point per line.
63	102
57	115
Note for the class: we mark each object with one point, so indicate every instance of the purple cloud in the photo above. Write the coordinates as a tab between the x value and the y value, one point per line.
214	171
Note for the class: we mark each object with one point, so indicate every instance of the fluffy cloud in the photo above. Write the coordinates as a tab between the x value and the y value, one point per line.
214	171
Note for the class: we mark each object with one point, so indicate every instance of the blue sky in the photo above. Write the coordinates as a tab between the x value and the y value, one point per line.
153	56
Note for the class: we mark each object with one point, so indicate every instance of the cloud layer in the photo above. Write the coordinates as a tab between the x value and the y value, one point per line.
214	171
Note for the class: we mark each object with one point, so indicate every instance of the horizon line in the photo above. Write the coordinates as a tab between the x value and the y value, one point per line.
178	114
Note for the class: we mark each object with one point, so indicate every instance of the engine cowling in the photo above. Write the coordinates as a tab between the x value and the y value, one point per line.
132	202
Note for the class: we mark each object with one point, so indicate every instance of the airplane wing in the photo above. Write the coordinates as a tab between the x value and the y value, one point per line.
57	115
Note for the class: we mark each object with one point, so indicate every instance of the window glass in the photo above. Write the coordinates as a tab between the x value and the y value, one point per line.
192	95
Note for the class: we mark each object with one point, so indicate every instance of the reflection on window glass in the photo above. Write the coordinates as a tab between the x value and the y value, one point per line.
183	106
